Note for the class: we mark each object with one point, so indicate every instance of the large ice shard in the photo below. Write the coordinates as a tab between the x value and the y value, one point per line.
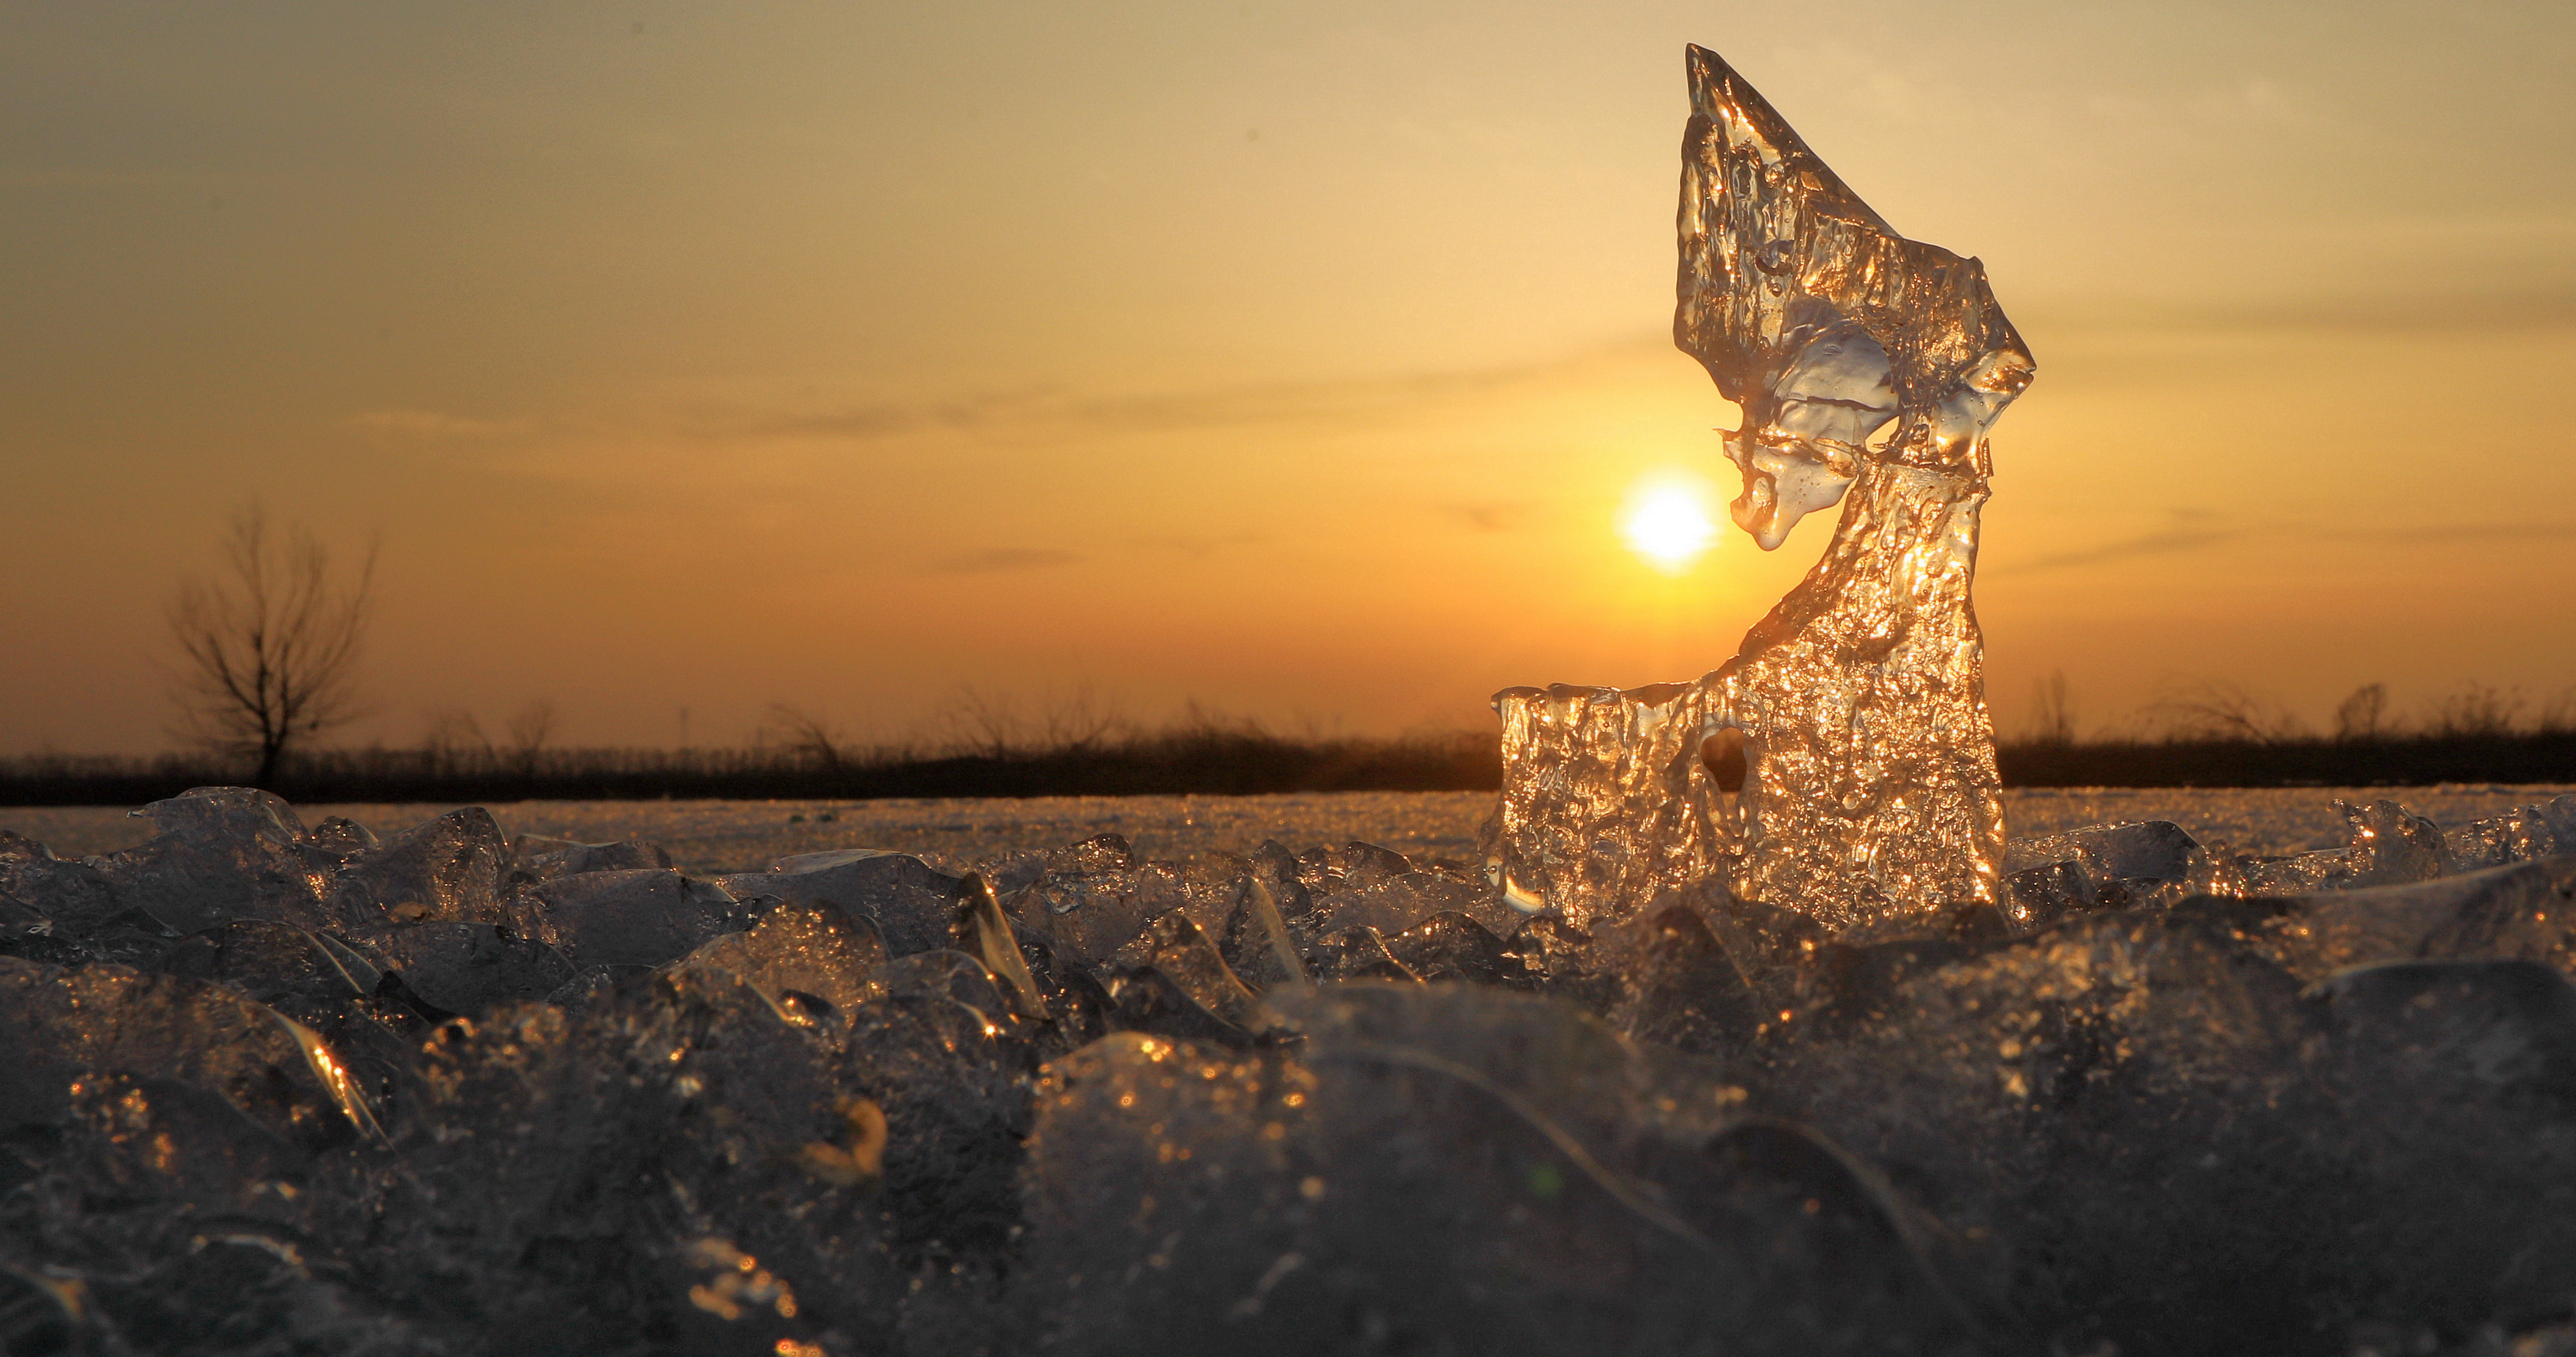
1869	790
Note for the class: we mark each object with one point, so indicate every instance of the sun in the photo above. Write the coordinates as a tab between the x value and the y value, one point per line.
1666	520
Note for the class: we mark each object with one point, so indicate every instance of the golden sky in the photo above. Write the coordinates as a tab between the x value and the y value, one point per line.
1295	358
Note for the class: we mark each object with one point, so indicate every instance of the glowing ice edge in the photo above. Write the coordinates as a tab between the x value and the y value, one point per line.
1870	793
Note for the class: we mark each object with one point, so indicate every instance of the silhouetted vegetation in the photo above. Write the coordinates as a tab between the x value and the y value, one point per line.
1194	760
2207	733
1074	743
2390	761
269	644
1201	761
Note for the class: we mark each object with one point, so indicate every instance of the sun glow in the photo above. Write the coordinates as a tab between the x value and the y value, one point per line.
1667	521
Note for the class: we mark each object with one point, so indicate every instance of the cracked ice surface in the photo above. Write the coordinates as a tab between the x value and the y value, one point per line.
347	1087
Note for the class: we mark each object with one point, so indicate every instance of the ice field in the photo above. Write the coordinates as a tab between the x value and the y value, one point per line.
741	836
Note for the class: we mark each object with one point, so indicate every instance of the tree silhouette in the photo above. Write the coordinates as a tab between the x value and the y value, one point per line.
269	643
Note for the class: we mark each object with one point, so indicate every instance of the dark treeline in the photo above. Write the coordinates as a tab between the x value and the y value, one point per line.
1194	761
2414	760
1204	762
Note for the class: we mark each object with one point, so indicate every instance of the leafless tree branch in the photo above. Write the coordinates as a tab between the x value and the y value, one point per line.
2208	709
2052	710
269	643
528	731
813	738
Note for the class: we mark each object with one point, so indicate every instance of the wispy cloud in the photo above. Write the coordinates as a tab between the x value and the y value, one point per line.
1198	548
2188	535
1050	413
1488	517
2527	530
431	425
2169	542
993	559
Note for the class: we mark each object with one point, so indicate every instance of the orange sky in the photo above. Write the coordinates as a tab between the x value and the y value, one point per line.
1292	358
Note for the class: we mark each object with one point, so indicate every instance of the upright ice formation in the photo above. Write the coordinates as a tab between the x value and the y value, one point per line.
1869	789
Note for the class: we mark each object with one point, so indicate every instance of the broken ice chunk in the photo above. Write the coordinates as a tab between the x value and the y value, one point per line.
2524	911
913	903
467	967
1682	989
273	961
810	947
638	918
2386	845
545	859
76	896
227	853
2113	866
983	932
2519	835
455	866
109	1018
2148	850
1451	946
1362	885
2038	896
1174	946
942	973
342	835
1359	954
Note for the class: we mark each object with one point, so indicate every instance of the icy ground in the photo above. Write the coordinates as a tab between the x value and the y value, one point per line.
743	836
274	1081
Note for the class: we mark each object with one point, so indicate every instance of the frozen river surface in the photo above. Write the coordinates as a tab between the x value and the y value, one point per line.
729	836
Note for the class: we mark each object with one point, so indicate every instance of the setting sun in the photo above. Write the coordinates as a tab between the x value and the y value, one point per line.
1667	521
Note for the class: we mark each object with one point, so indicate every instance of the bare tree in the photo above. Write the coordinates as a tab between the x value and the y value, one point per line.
980	721
1079	718
2052	710
454	741
2558	716
994	723
813	738
2363	715
528	732
2477	712
2209	709
269	642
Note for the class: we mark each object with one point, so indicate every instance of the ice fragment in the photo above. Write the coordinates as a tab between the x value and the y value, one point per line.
1869	790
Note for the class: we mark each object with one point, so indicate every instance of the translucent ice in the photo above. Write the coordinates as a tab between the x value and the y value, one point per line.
466	967
912	903
546	859
810	947
107	1018
1869	791
1301	1103
230	853
73	895
1443	1168
455	866
639	918
2519	835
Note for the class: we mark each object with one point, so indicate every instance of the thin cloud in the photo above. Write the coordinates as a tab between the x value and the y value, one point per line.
2167	543
1198	548
436	425
2178	540
2541	530
994	559
1488	517
1051	414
